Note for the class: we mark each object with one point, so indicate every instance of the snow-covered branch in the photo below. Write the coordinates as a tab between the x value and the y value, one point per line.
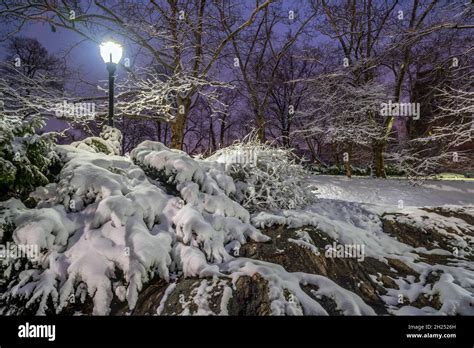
341	111
152	95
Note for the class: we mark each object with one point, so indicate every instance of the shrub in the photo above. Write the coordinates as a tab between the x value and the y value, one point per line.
24	155
266	177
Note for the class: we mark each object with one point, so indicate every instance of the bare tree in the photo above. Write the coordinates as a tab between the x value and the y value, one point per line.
342	113
258	55
177	36
29	56
288	94
373	35
449	140
25	97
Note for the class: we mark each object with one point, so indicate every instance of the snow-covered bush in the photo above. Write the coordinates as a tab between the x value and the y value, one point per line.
266	177
109	142
24	155
104	228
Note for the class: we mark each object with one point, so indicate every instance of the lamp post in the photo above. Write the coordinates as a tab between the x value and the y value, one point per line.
111	53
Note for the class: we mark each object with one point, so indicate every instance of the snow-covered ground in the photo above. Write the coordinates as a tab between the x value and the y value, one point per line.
391	191
111	224
355	212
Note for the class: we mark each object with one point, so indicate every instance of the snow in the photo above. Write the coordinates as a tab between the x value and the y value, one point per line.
279	280
111	223
340	215
345	222
109	142
454	289
193	262
226	296
200	186
168	291
304	241
202	297
47	228
266	177
390	191
105	217
455	299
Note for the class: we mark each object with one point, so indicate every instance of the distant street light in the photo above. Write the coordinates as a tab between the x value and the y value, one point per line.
111	53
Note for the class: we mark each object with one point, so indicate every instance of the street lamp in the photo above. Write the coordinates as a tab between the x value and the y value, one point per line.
111	53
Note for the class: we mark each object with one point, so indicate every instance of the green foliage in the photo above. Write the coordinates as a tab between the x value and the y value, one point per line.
6	231
109	142
394	171
339	170
100	146
24	155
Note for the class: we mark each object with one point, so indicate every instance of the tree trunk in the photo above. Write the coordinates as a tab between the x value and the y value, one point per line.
158	130
314	157
222	131
177	132
178	126
379	160
212	137
286	136
347	166
335	154
347	162
165	136
261	127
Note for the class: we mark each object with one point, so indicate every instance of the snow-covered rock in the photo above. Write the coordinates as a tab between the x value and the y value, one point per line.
160	233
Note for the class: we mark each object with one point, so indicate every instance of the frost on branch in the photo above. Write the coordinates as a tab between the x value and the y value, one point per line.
104	228
339	111
449	140
152	95
266	177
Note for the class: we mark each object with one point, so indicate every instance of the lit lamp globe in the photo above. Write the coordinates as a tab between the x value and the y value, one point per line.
111	52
